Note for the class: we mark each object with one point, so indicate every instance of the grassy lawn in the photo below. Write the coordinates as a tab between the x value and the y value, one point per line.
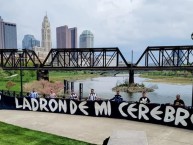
13	135
15	88
70	75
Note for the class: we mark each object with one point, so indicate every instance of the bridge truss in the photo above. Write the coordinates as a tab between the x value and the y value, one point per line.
153	58
64	59
166	58
13	59
86	59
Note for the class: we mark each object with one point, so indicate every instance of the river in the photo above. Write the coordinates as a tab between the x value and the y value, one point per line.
165	92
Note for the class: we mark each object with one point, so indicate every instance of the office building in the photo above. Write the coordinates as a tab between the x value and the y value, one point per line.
86	39
1	34
8	35
29	42
66	37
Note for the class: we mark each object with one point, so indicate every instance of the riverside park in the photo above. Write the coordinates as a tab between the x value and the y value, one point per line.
68	120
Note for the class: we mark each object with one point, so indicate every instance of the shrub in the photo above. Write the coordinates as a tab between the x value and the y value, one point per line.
9	85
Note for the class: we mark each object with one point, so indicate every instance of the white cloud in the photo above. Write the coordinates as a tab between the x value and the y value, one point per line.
127	24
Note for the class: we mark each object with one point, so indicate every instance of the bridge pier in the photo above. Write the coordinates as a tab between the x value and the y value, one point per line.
43	74
131	77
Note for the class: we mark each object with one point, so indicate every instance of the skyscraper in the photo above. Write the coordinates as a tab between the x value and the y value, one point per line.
1	34
46	34
73	37
46	43
29	42
86	39
66	37
8	35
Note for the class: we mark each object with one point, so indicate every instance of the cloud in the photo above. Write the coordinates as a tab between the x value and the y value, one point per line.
127	24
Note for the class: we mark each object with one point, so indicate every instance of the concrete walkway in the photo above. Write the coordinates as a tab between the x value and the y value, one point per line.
93	129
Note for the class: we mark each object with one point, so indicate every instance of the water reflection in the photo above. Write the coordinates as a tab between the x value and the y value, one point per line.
164	94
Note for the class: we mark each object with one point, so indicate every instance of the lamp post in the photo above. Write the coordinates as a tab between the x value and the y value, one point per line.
21	77
131	71
192	77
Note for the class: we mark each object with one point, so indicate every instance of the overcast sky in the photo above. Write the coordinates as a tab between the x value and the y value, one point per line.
127	24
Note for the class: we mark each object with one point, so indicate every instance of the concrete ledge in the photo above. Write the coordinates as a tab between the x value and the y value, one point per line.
128	137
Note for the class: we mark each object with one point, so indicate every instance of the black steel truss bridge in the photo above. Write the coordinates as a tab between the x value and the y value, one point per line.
153	58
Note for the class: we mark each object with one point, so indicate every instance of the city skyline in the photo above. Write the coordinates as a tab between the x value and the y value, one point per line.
129	25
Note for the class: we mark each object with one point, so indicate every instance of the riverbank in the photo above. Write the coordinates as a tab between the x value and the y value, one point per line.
167	79
71	75
54	76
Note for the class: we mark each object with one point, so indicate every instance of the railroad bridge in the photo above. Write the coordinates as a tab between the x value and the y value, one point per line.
103	59
153	58
98	59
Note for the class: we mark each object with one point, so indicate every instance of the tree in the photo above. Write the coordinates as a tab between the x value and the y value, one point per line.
44	87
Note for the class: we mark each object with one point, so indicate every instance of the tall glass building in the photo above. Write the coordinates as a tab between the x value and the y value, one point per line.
29	42
86	39
8	35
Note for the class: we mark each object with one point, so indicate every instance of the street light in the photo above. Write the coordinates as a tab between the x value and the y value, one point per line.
131	71
21	77
192	77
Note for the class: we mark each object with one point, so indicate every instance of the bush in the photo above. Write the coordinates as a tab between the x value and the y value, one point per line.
9	85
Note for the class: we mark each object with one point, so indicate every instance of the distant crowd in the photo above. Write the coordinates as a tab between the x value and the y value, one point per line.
92	96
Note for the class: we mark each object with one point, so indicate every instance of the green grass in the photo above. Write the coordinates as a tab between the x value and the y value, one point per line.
70	75
168	79
53	76
13	135
14	88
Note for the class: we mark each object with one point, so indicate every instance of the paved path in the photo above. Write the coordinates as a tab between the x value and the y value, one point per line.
93	129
